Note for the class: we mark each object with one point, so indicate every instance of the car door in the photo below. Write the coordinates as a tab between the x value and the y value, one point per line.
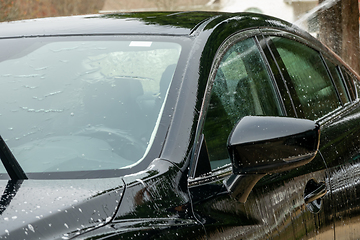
322	89
244	82
342	156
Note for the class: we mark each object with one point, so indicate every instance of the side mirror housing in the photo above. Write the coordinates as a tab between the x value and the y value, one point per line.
264	145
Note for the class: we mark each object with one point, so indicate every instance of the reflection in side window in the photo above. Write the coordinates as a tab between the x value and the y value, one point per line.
242	87
308	79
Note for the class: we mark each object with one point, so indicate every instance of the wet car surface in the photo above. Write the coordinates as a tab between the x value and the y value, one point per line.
192	125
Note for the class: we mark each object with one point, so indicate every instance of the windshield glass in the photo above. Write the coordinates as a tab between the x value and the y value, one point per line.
82	105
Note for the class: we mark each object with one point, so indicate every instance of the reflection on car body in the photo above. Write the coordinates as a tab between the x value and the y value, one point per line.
193	125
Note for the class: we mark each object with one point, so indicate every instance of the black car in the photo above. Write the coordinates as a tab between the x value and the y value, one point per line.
193	125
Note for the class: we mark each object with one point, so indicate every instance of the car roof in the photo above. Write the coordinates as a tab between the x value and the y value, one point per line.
158	23
162	23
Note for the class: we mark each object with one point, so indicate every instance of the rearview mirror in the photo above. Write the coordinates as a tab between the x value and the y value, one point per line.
263	145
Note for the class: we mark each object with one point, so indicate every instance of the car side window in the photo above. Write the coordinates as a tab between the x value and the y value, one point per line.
313	93
242	87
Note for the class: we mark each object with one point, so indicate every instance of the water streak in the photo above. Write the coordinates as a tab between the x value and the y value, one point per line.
316	10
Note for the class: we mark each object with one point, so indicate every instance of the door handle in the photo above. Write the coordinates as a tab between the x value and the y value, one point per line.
317	193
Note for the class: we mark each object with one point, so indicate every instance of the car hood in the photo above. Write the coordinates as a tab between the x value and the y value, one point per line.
57	209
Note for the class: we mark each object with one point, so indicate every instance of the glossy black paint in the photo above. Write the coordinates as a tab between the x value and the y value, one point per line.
265	145
166	196
272	144
37	209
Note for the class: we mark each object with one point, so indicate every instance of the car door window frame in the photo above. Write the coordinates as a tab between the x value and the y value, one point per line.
225	170
350	84
308	78
285	74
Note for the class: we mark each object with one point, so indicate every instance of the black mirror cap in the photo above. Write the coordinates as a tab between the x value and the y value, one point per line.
263	145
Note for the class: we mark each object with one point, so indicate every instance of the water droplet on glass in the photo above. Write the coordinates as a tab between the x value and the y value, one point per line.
31	228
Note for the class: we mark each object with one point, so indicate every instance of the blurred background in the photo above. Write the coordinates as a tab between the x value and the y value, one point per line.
334	22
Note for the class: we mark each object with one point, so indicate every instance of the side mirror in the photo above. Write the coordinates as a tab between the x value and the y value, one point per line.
264	145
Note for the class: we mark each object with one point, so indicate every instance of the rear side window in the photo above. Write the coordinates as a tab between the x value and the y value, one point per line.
305	74
242	87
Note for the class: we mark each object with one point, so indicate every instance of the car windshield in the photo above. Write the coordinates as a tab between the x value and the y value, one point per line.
75	105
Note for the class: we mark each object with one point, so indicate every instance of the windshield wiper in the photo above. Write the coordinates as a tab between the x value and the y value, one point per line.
11	165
